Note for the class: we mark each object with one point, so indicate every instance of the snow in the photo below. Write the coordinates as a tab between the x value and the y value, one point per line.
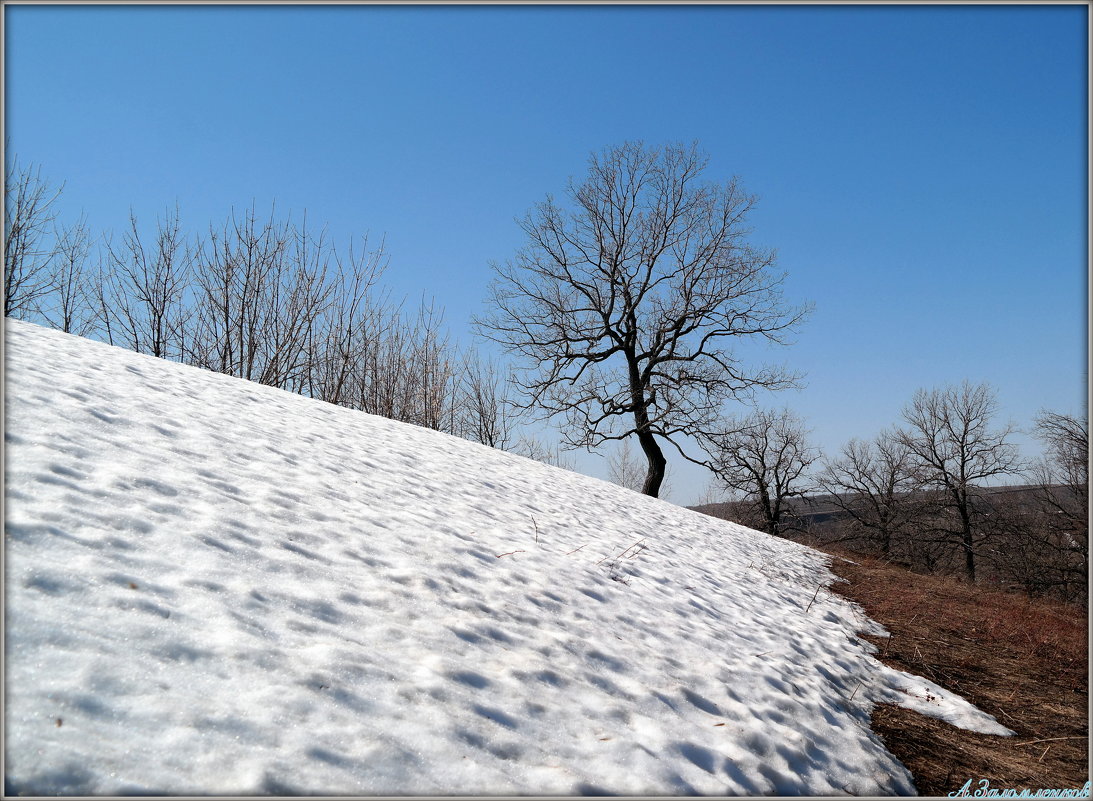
219	587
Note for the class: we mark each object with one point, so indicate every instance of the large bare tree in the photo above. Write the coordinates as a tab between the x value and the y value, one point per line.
955	450
625	306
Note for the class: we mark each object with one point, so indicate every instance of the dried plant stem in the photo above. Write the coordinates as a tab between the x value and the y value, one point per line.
813	598
1049	740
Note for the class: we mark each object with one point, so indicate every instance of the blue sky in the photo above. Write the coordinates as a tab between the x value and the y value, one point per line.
922	169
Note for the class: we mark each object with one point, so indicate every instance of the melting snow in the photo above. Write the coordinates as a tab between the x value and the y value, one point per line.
219	587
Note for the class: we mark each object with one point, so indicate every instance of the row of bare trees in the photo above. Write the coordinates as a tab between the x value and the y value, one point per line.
259	298
945	491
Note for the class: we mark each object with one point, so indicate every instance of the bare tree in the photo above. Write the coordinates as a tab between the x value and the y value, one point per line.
28	252
876	486
298	295
624	308
260	287
954	450
70	304
355	317
764	458
484	406
432	382
142	293
624	470
1062	502
1066	466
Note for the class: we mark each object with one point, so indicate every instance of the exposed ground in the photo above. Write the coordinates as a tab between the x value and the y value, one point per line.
1023	661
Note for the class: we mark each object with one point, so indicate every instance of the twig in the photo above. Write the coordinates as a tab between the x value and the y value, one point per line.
813	598
576	549
536	529
1050	740
625	553
1041	759
510	553
855	690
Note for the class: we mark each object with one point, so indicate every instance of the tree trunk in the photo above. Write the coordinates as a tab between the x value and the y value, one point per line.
654	477
969	554
967	541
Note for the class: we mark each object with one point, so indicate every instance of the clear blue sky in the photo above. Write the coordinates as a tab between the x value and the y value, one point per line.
922	169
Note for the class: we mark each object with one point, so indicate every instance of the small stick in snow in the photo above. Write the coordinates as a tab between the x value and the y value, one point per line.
856	689
510	553
576	549
813	598
536	529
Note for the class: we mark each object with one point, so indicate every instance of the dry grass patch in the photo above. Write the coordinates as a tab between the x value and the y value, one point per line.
1021	660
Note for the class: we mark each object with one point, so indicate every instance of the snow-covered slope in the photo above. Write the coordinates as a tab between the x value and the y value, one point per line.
218	587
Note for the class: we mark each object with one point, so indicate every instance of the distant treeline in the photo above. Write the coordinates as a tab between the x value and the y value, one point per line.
926	494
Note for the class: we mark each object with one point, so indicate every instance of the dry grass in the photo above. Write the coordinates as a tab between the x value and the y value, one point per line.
1023	661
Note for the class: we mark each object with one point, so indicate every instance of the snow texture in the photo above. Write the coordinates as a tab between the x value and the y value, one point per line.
219	587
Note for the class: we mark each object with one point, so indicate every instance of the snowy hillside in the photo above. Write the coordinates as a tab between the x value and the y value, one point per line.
218	587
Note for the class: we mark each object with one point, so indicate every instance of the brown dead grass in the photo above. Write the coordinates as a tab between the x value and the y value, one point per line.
1023	661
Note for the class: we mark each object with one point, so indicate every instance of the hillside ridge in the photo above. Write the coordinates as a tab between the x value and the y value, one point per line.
218	587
